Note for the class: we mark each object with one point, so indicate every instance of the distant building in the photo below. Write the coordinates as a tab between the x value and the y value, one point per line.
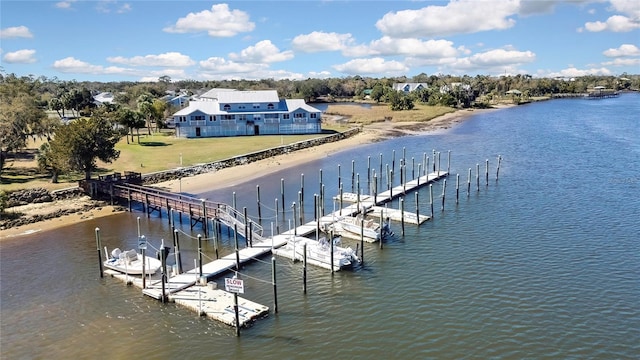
409	87
103	97
227	112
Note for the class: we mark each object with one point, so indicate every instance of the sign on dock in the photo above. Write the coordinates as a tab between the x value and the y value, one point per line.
234	285
142	243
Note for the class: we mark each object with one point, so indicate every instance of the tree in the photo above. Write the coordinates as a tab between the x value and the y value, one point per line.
145	107
54	164
20	117
377	92
83	141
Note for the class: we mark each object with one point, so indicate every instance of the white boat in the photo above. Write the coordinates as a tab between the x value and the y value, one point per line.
130	262
356	226
319	252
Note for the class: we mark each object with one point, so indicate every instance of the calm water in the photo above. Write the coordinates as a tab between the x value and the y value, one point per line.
544	263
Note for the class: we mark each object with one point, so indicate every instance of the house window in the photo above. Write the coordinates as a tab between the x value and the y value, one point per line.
256	106
228	117
226	107
313	115
270	107
242	117
212	118
197	117
285	116
241	106
298	115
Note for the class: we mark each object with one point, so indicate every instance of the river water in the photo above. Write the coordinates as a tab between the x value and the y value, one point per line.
543	263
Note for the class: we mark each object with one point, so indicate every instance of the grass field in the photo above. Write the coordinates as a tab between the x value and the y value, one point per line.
377	113
156	152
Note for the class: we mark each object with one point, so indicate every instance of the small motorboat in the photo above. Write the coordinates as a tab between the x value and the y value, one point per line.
130	262
319	252
357	224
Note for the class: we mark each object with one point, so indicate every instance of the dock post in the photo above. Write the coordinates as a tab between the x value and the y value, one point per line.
163	256
295	227
401	215
469	183
381	227
498	167
393	160
368	169
438	163
375	189
277	223
216	236
144	275
275	288
282	195
250	233
358	191
341	191
146	199
339	177
431	198
99	245
433	156
419	172
316	218
246	226
413	168
448	160
235	239
426	167
129	198
301	213
380	164
391	187
486	172
361	240
322	200
353	173
457	188
426	164
417	210
304	268
237	311
199	255
444	188
320	180
331	251
176	244
404	154
180	216
477	177
259	207
301	199
138	222
204	218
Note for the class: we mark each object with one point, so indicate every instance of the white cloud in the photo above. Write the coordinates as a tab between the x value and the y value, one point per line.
616	23
263	51
375	66
457	17
170	59
630	8
319	75
217	22
15	32
321	41
109	6
623	50
64	4
496	61
573	72
25	56
623	62
387	46
218	65
73	65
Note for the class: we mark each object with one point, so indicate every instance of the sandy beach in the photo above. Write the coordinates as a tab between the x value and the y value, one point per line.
243	173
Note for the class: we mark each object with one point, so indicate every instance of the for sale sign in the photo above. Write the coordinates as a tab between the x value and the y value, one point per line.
234	285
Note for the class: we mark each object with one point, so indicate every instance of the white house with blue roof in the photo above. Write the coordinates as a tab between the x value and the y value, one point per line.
227	112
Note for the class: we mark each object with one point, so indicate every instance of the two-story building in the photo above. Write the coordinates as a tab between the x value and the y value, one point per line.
226	112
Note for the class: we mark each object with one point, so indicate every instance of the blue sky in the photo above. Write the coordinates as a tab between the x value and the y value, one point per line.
204	40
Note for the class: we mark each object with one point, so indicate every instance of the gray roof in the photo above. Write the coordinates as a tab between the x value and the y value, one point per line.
261	96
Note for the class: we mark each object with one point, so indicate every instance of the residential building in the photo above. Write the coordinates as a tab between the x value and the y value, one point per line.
226	112
409	87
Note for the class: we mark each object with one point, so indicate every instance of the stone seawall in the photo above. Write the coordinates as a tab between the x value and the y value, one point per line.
173	174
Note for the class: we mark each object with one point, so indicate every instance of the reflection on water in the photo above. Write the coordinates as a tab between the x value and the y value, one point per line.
543	263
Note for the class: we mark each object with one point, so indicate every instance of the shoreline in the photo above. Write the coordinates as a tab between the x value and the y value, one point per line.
239	174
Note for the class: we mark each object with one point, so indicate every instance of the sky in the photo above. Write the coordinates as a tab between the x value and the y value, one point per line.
140	40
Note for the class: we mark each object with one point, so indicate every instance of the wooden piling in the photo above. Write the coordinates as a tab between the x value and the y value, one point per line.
204	218
199	255
301	198
380	164
431	198
448	160
498	167
300	201
277	222
469	183
401	215
368	169
339	177
444	191
361	240
457	188
417	209
176	245
275	288
259	206
486	172
236	309
381	227
477	177
304	268
237	248
99	245
353	174
331	250
282	196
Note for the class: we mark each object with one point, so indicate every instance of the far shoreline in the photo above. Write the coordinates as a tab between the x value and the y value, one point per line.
241	174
